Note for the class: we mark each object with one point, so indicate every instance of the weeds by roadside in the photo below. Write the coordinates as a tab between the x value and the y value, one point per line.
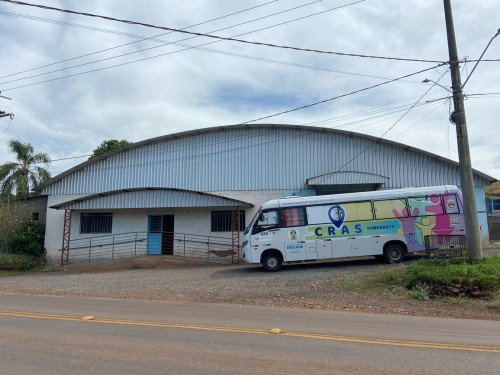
18	262
442	278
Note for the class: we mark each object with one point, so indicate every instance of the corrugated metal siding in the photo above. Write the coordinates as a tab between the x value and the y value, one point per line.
255	158
150	199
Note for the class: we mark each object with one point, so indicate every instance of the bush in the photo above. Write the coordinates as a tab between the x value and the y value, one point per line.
13	217
19	262
29	239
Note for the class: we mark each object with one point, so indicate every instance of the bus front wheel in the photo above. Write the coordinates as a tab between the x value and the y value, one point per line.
271	262
394	253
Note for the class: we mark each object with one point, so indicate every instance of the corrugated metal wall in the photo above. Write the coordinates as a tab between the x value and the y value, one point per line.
151	199
255	158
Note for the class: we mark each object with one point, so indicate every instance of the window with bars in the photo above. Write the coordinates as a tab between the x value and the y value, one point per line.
222	221
96	222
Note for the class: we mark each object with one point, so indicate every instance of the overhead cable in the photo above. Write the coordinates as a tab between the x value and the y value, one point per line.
115	32
385	133
343	95
480	57
225	38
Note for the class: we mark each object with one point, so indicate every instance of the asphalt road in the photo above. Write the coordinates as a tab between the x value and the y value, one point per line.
52	335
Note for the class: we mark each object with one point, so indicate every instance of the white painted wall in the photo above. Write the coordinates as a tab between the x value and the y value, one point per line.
54	227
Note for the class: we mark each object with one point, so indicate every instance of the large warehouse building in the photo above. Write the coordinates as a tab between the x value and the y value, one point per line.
190	182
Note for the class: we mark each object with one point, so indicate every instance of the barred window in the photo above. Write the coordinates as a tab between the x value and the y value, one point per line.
222	221
96	223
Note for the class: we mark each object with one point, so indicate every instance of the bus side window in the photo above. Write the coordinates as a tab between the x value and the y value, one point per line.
425	205
390	208
267	220
293	217
451	204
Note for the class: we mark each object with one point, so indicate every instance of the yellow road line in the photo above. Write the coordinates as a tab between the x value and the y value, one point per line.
353	339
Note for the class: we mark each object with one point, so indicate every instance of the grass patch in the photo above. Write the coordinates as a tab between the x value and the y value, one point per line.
375	281
428	278
495	304
12	263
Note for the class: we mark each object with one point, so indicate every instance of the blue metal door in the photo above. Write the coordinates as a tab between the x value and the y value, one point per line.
155	224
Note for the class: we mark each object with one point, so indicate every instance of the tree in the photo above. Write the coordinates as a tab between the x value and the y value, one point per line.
109	145
21	176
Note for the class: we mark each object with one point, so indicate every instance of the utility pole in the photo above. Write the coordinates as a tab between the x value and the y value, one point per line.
474	250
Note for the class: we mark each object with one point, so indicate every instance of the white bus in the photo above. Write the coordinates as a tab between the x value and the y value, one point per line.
386	223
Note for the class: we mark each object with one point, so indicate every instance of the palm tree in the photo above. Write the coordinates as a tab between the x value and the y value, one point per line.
23	175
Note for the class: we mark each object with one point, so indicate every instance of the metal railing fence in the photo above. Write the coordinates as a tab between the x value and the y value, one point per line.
445	246
122	245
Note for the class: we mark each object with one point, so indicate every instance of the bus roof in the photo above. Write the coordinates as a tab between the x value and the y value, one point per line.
356	197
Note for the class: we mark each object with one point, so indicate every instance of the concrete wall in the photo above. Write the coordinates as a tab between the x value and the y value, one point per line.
54	227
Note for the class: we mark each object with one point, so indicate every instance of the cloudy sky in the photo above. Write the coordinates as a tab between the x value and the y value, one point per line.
76	81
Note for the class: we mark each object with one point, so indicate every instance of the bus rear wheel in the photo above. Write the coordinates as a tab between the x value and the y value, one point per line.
394	253
271	262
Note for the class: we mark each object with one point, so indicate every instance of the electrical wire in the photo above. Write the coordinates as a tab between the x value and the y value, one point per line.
115	32
164	54
419	121
480	57
186	47
183	45
341	96
226	38
377	141
371	111
351	93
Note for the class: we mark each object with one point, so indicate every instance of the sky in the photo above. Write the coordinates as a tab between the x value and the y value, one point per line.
75	81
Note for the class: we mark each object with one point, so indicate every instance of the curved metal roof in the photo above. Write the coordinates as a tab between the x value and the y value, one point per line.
254	157
149	198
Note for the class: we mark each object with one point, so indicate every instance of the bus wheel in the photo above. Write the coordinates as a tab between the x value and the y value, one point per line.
271	262
394	253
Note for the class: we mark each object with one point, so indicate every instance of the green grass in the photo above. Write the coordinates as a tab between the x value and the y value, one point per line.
375	281
495	303
419	276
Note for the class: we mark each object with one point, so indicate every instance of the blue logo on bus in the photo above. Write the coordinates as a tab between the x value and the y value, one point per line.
336	215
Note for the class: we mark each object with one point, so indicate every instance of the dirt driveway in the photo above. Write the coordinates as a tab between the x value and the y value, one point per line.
310	286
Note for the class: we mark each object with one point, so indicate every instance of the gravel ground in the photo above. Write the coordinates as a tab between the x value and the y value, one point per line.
311	286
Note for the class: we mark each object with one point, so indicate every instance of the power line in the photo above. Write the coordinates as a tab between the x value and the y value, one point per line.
226	38
419	121
183	45
164	54
343	95
225	141
153	38
382	136
186	47
371	111
480	57
116	32
413	105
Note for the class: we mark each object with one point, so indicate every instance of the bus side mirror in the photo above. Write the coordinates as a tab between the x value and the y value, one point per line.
261	216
